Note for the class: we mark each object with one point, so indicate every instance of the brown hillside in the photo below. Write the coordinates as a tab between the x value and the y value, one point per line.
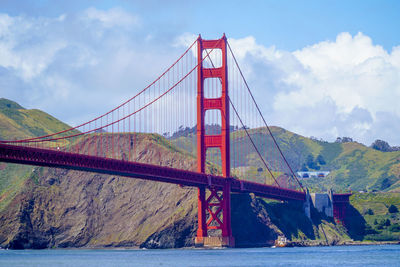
64	208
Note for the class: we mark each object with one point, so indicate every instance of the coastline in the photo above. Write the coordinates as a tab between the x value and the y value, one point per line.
312	243
309	243
306	243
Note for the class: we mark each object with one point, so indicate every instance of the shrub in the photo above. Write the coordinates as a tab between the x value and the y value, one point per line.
310	161
381	146
383	224
394	228
321	160
369	231
393	209
380	237
304	168
369	212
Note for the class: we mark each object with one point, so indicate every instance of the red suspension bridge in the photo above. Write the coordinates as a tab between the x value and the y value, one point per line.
225	134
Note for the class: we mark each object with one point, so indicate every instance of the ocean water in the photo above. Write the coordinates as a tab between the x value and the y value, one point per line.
384	255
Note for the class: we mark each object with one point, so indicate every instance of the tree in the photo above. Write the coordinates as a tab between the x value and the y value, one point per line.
310	161
381	146
304	168
321	160
369	212
385	184
383	224
344	139
395	227
393	209
368	230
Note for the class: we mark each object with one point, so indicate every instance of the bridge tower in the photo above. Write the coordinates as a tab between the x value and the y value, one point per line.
214	204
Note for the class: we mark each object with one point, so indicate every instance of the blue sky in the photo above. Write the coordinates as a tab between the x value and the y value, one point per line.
335	62
289	25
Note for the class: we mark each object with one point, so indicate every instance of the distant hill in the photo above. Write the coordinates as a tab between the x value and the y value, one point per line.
352	166
17	122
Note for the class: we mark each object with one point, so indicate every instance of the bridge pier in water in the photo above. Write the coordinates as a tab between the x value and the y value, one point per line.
214	204
217	204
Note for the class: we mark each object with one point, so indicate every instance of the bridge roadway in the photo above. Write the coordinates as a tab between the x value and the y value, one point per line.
66	160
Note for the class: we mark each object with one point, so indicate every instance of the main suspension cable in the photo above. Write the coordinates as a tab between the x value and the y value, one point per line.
109	112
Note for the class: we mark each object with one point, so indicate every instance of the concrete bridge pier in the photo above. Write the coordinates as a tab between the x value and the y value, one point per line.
307	204
330	204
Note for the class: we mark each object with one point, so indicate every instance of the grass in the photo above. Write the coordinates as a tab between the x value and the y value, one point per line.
12	181
18	123
373	207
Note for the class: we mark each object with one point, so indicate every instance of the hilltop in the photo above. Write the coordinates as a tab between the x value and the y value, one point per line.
17	122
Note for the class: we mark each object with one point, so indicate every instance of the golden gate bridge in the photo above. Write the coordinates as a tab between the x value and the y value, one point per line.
205	90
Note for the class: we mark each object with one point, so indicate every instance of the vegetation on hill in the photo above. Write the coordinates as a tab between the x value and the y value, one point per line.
16	123
353	166
384	146
19	123
375	216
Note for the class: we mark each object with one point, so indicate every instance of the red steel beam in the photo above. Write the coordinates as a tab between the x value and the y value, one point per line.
65	160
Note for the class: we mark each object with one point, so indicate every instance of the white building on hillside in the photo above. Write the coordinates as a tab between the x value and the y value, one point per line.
306	175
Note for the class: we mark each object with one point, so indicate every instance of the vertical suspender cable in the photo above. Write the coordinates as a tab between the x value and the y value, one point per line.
265	123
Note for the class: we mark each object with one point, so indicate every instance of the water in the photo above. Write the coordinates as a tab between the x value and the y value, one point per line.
384	255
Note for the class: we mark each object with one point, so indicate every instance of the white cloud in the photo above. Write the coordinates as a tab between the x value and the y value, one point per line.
351	71
114	17
27	57
329	89
77	66
185	40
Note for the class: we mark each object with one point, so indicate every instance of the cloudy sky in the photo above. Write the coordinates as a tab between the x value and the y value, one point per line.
323	68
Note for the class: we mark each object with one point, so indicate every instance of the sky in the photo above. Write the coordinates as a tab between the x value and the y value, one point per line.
322	68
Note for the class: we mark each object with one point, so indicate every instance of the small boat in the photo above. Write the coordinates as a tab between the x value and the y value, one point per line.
281	242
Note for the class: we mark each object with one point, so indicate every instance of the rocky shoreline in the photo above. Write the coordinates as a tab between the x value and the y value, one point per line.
312	243
309	243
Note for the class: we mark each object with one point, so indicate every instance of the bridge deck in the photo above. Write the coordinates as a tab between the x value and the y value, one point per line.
60	159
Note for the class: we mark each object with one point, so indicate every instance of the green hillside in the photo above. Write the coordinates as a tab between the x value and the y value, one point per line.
16	123
374	216
358	167
352	166
19	123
